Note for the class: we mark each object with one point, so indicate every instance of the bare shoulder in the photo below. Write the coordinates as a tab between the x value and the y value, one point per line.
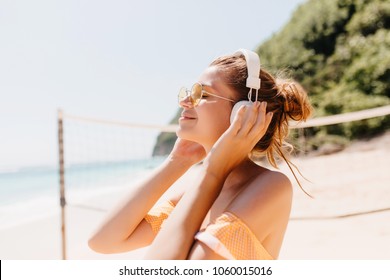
269	187
271	184
265	203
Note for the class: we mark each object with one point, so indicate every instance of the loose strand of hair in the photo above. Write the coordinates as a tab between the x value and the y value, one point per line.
289	163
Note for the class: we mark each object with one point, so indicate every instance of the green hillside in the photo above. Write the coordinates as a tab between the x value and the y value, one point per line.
339	50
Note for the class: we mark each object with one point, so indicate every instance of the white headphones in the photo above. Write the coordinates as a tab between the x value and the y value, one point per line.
253	81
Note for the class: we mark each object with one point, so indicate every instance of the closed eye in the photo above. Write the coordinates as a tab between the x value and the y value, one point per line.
205	94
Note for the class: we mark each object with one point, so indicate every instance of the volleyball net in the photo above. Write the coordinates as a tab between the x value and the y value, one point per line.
100	157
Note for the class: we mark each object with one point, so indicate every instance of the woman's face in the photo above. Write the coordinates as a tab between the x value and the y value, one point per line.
206	122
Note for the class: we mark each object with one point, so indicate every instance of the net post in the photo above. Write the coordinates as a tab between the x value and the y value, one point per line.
62	180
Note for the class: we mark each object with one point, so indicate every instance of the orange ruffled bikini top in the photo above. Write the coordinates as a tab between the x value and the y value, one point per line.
228	236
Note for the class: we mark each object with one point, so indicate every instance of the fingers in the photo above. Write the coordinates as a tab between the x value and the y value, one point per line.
245	118
250	117
262	118
238	120
262	122
252	121
248	127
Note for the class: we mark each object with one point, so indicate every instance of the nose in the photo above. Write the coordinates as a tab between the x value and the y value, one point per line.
186	102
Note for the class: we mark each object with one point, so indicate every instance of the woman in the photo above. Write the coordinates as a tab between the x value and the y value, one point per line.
235	209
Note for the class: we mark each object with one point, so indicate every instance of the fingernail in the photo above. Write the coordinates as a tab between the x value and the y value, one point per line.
263	105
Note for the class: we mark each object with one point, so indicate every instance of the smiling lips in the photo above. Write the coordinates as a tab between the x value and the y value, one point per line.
186	117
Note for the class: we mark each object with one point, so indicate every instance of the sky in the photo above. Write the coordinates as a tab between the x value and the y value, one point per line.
118	60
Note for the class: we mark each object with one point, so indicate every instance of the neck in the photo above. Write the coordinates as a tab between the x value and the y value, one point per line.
241	174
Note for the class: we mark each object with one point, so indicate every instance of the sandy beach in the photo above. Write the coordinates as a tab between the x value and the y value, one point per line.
349	217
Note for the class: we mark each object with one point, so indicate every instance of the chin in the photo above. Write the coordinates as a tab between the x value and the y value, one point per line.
183	134
188	134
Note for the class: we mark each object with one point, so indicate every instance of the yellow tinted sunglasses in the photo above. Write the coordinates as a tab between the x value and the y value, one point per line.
196	94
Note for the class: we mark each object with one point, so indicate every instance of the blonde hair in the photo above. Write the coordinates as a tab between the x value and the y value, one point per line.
285	98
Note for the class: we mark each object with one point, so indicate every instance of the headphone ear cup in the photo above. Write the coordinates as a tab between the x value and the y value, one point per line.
236	107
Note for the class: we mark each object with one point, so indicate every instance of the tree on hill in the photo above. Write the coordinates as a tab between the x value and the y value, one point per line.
339	50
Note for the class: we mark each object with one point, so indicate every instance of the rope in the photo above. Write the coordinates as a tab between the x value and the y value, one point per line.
343	118
88	207
341	216
165	128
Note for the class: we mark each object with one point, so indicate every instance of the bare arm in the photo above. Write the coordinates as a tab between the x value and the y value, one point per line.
125	229
176	237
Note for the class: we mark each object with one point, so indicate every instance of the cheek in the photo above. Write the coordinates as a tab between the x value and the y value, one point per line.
215	120
212	121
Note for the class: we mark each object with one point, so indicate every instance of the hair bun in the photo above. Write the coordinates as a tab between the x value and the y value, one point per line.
296	102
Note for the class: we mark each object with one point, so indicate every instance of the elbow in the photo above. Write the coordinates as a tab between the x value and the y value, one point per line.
106	245
98	245
95	245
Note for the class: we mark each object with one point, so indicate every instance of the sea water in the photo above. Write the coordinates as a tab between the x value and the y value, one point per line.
33	193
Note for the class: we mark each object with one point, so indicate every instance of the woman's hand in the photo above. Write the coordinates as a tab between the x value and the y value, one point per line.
187	152
234	145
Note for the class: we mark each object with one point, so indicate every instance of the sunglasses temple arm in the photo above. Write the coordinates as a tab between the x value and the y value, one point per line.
228	99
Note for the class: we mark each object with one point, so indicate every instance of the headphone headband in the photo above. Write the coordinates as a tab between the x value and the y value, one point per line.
253	65
253	81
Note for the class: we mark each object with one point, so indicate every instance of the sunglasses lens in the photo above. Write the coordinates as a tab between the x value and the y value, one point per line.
182	94
196	94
